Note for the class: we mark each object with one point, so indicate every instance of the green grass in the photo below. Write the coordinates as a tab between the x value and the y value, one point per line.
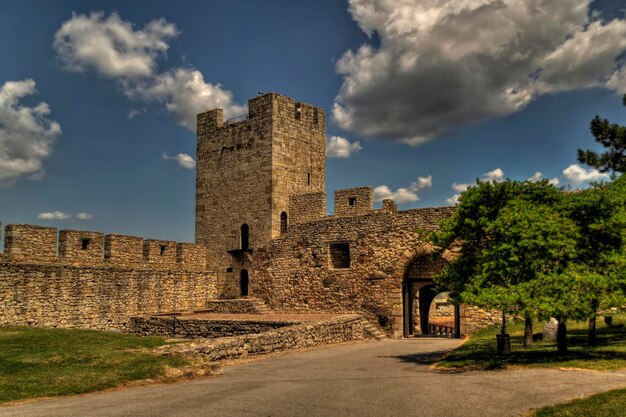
607	404
479	352
37	362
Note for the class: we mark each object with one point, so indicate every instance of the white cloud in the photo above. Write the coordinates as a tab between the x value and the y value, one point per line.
538	176
113	48
84	216
27	136
576	175
459	188
495	175
182	159
338	147
443	65
400	196
403	195
185	94
454	200
54	215
421	183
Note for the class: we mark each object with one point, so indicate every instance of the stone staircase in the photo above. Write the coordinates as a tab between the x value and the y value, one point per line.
259	305
372	332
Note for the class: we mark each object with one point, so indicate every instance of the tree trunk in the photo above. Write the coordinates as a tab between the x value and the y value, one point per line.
503	329
528	332
591	333
561	336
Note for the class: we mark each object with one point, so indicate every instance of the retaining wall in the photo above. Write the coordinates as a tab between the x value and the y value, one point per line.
339	329
172	326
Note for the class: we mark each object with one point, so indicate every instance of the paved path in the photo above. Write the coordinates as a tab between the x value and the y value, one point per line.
389	378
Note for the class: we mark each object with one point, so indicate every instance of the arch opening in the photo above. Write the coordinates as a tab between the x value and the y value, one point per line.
425	310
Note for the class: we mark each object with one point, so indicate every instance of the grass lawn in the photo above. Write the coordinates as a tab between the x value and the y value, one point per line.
37	362
479	352
607	404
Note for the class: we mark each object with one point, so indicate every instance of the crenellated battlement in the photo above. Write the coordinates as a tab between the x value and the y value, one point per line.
267	107
25	243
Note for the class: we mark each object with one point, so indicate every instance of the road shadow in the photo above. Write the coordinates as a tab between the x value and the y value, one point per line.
425	358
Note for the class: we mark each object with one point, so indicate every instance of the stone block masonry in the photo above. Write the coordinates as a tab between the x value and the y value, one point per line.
344	328
172	326
97	281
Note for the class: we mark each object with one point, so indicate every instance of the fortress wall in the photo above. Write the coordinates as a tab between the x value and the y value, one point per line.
123	250
97	281
95	297
81	246
354	201
191	256
305	208
36	244
27	242
298	272
305	270
161	252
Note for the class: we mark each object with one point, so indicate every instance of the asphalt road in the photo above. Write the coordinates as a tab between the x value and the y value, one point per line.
389	378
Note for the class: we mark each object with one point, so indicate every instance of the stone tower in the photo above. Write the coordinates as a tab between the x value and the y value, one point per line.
246	170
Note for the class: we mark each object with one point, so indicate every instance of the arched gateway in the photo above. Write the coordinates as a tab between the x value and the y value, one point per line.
418	293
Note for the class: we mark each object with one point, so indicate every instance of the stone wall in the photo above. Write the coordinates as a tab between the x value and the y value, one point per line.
304	208
353	201
200	328
297	273
337	330
233	306
96	281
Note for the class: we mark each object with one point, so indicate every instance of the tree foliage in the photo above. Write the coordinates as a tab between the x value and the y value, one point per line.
613	137
531	249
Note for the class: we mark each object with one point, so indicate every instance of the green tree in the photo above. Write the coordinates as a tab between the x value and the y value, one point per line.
613	137
599	215
528	242
470	233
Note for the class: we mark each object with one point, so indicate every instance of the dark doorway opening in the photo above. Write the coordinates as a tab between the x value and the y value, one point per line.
243	283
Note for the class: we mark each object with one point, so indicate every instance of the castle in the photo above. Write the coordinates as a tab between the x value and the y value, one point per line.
261	231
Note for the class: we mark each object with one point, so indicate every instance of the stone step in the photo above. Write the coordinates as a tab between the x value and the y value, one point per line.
260	306
372	332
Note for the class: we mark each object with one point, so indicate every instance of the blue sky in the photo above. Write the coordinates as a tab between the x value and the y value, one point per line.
426	91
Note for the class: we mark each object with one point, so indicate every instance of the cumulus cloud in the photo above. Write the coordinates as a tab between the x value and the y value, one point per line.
182	159
440	66
403	195
185	94
576	175
113	48
84	216
338	147
494	176
27	135
54	215
538	176
454	200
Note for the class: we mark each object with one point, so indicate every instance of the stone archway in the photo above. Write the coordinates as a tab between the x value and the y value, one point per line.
418	292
